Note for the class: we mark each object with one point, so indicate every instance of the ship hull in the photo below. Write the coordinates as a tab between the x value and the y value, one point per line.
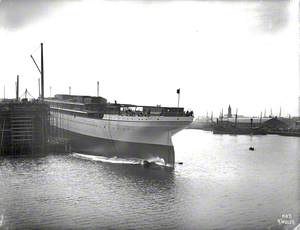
121	136
112	148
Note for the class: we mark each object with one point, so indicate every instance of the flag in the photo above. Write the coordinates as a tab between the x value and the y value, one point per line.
178	91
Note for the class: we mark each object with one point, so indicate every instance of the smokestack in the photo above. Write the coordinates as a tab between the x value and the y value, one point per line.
97	88
69	90
17	88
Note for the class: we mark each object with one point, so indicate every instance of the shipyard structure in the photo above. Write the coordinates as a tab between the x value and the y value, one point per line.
24	127
234	124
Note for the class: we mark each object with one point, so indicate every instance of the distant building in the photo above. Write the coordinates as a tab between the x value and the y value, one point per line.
275	123
244	122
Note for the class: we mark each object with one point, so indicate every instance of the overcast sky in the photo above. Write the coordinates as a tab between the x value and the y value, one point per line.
243	53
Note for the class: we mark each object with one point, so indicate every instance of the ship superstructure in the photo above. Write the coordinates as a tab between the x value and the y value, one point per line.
97	127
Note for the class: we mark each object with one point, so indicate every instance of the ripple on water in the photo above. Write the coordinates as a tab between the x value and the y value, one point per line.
215	187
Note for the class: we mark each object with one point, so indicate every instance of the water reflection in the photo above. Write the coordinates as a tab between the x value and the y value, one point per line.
56	190
220	180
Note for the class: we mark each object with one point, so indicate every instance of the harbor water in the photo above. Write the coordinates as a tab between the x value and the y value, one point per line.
220	185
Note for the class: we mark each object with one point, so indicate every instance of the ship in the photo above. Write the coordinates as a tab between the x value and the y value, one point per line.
219	129
100	128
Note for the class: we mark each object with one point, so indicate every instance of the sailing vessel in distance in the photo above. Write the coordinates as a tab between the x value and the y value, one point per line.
97	127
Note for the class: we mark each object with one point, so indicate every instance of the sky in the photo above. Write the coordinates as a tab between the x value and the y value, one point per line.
243	53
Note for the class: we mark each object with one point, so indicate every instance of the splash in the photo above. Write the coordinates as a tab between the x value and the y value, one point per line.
157	161
113	160
116	160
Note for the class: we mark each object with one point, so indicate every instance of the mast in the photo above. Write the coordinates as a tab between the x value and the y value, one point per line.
260	118
222	115
39	82
280	112
271	113
42	71
17	88
235	119
178	93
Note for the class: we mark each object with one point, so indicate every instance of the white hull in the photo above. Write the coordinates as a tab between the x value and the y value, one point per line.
96	127
156	130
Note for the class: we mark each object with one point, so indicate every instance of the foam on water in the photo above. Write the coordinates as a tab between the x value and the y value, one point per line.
117	160
113	160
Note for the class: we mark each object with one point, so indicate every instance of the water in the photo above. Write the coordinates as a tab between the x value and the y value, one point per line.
221	185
